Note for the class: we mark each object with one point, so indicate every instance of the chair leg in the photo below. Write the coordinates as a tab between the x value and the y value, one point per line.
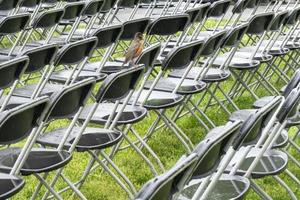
259	191
50	189
116	178
177	131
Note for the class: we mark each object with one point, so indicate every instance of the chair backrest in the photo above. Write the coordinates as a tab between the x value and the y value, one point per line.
293	83
235	35
13	24
196	13
239	6
213	147
165	186
118	85
278	20
131	27
260	23
149	56
11	70
293	17
9	4
30	3
198	163
107	35
66	102
108	4
73	10
48	19
290	107
219	8
180	57
92	7
128	3
168	25
75	52
253	125
17	123
203	11
213	43
39	57
252	3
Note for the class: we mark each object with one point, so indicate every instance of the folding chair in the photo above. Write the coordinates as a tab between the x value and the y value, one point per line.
106	11
164	29
258	159
41	29
7	7
218	72
179	86
9	27
108	38
29	118
182	181
70	55
89	16
125	4
68	101
270	47
117	86
248	62
11	72
40	59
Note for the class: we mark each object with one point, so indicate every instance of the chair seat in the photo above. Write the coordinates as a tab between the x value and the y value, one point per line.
91	139
27	90
157	99
62	76
10	185
245	113
168	84
38	161
212	75
108	68
273	162
228	187
246	53
14	101
275	50
131	114
291	121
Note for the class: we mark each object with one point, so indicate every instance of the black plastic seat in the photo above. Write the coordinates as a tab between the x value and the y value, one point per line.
27	117
107	37
246	113
169	84
130	28
38	161
227	187
212	75
273	162
184	178
10	185
92	138
131	114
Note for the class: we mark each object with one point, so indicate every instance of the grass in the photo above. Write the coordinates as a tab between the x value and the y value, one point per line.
100	186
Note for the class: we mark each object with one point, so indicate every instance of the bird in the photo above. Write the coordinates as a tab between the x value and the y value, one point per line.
135	49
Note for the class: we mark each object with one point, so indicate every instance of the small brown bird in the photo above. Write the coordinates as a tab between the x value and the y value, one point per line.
135	49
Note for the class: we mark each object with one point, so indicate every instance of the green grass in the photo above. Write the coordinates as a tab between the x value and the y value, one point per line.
100	186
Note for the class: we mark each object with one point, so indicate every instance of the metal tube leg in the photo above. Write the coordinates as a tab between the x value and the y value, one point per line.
283	184
144	144
48	187
259	191
119	182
